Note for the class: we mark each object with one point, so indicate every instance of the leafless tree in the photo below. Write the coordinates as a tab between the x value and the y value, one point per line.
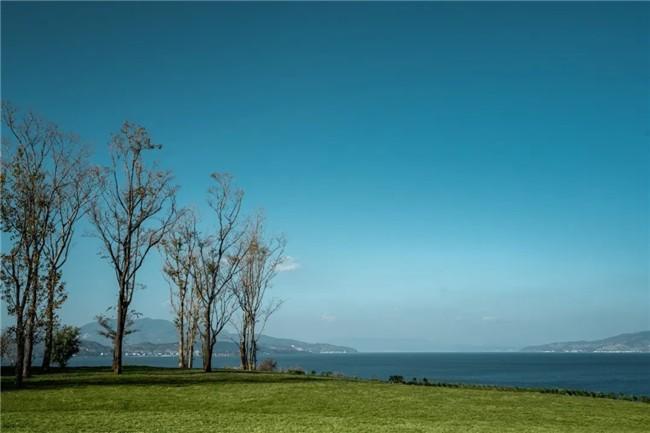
179	249
217	262
259	266
71	199
34	171
134	210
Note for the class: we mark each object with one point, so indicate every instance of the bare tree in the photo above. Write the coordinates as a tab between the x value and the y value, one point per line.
259	266
179	249
32	176
217	263
71	199
134	210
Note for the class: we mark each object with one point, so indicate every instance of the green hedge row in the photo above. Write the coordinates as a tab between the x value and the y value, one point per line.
425	382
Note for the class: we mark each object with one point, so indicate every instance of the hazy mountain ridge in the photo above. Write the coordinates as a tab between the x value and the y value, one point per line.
632	342
158	337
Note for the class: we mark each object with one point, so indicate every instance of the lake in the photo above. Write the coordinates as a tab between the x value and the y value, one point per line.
627	373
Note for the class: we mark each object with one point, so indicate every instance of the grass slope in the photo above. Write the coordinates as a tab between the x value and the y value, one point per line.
158	400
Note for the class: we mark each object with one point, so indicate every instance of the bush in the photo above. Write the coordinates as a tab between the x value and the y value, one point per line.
296	370
65	344
396	379
268	365
8	346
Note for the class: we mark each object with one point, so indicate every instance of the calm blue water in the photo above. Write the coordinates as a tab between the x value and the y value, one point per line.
627	373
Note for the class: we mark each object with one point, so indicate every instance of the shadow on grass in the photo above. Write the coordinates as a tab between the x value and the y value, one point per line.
142	376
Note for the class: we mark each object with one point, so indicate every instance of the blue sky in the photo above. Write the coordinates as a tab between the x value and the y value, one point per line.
449	176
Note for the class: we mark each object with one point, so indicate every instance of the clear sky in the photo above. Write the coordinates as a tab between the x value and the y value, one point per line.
449	176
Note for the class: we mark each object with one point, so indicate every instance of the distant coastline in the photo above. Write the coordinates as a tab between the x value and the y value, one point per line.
637	342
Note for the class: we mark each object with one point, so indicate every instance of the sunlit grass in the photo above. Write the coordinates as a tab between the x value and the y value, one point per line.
159	400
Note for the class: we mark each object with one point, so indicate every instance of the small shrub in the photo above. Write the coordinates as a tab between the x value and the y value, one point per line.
268	365
396	379
296	370
65	344
8	346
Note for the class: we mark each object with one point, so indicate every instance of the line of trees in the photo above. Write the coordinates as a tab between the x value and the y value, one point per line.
260	263
48	185
214	275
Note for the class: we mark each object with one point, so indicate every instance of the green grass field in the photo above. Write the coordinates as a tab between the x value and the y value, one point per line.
158	400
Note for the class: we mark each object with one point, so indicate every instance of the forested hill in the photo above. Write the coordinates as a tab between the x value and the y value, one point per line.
635	342
158	336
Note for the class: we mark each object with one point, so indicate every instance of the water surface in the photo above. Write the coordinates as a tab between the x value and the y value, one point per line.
627	373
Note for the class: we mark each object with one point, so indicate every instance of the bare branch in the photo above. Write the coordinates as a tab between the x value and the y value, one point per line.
131	216
217	262
258	268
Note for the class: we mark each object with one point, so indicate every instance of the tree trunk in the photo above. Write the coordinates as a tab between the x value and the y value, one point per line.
182	362
252	355
190	356
29	347
253	362
207	353
242	354
117	355
243	340
30	334
189	344
117	343
49	325
181	355
206	345
248	345
20	348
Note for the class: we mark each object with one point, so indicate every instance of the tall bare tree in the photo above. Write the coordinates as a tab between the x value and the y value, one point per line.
134	210
258	268
34	171
179	249
218	260
70	202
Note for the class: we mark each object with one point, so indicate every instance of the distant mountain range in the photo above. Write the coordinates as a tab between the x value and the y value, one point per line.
635	342
157	337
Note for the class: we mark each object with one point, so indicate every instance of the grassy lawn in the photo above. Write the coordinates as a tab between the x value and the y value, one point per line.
158	400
